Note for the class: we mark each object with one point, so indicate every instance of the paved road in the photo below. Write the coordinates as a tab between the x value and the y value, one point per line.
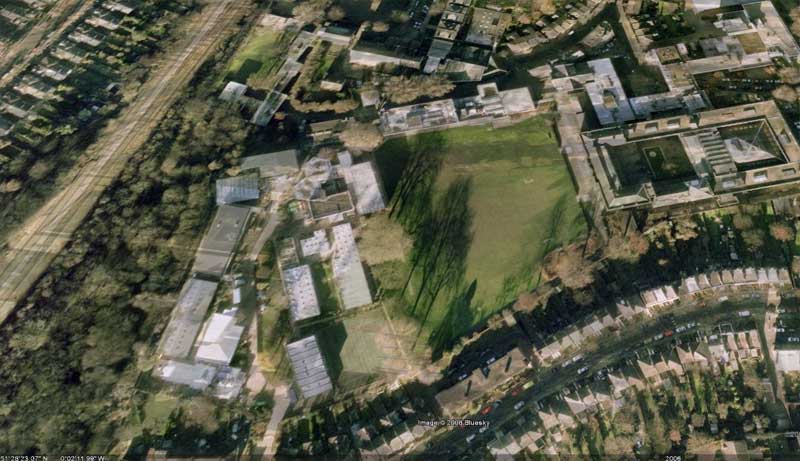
556	378
267	446
34	246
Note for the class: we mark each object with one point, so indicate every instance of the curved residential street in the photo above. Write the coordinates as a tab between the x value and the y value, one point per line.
553	379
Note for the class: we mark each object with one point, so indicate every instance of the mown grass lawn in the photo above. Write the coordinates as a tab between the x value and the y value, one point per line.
260	55
523	201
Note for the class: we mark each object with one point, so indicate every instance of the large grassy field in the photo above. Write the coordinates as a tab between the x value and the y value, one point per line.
522	198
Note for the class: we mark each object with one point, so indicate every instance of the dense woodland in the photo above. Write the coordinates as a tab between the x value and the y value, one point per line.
71	355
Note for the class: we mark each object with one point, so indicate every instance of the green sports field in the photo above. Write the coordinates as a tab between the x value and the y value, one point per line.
522	197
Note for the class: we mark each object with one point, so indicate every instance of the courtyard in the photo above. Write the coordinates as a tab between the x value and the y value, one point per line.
656	159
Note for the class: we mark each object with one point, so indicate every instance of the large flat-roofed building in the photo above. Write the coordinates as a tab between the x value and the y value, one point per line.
299	285
237	189
273	164
217	248
752	35
610	103
419	117
348	270
490	105
187	318
317	244
367	191
310	373
740	34
710	158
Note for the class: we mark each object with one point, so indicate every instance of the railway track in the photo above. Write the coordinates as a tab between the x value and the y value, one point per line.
33	247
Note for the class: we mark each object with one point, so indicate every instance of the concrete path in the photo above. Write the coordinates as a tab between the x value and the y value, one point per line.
272	223
268	445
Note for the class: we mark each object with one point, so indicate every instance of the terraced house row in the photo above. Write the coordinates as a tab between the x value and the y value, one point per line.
75	83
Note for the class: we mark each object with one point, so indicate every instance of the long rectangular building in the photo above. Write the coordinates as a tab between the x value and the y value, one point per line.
348	270
217	248
310	373
187	318
299	285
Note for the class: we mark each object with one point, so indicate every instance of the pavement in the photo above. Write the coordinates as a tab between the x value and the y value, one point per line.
32	248
273	220
268	445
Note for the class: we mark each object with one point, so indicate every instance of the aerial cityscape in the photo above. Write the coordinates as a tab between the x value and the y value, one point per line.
399	229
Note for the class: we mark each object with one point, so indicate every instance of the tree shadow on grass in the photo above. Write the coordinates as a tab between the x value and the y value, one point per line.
328	300
409	171
248	68
441	246
456	322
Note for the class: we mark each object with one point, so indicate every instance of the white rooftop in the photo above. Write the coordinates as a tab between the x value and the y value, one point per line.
607	94
317	244
299	283
196	376
348	271
220	339
233	91
237	189
787	360
367	191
